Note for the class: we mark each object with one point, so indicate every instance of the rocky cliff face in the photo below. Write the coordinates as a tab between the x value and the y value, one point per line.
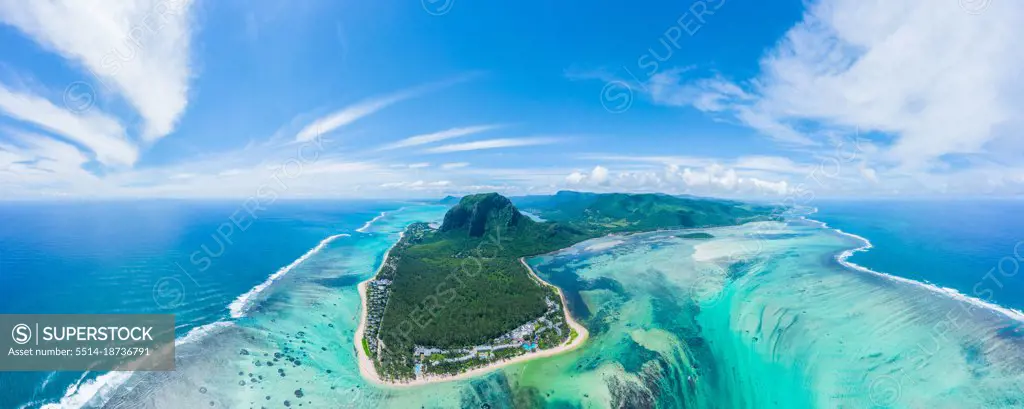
481	213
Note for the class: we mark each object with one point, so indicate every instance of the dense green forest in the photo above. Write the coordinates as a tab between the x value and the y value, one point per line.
623	212
463	284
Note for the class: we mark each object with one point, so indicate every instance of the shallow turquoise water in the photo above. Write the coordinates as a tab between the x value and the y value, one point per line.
762	316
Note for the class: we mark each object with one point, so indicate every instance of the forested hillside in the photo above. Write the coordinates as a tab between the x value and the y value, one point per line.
623	212
468	273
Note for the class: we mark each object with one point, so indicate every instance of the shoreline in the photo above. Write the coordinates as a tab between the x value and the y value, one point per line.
369	371
366	367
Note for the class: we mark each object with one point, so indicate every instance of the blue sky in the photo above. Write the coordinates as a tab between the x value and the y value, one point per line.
786	100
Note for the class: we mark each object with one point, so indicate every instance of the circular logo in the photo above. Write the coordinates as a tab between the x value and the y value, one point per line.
168	293
885	391
974	6
79	96
616	97
437	7
21	334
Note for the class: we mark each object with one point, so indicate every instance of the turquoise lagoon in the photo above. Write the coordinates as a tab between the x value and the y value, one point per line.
764	315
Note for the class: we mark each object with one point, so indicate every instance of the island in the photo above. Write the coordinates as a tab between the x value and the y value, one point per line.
460	299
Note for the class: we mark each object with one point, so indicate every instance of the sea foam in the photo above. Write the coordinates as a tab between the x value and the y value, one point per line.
843	257
239	306
97	391
367	225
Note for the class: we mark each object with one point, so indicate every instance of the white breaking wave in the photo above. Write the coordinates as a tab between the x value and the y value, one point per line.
47	381
98	391
367	225
1011	313
241	304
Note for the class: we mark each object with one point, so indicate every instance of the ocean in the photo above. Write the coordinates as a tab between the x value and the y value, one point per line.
149	257
765	315
973	246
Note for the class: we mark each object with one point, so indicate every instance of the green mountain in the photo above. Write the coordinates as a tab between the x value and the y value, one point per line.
493	218
477	213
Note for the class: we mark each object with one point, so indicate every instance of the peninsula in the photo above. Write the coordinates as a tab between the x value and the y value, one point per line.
460	299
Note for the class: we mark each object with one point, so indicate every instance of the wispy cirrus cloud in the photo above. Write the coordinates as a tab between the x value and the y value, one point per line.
348	115
51	167
359	110
492	144
39	153
99	133
137	48
417	185
438	136
677	87
649	159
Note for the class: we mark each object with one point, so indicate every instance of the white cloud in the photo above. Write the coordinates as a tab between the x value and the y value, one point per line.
348	115
765	163
868	173
770	163
576	178
359	110
419	165
598	177
718	95
417	185
49	167
780	188
491	144
712	176
231	172
140	48
46	153
714	180
454	165
898	67
327	167
438	136
97	132
937	79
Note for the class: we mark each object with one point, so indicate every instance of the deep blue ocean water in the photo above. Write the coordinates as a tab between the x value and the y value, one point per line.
973	246
188	258
191	259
